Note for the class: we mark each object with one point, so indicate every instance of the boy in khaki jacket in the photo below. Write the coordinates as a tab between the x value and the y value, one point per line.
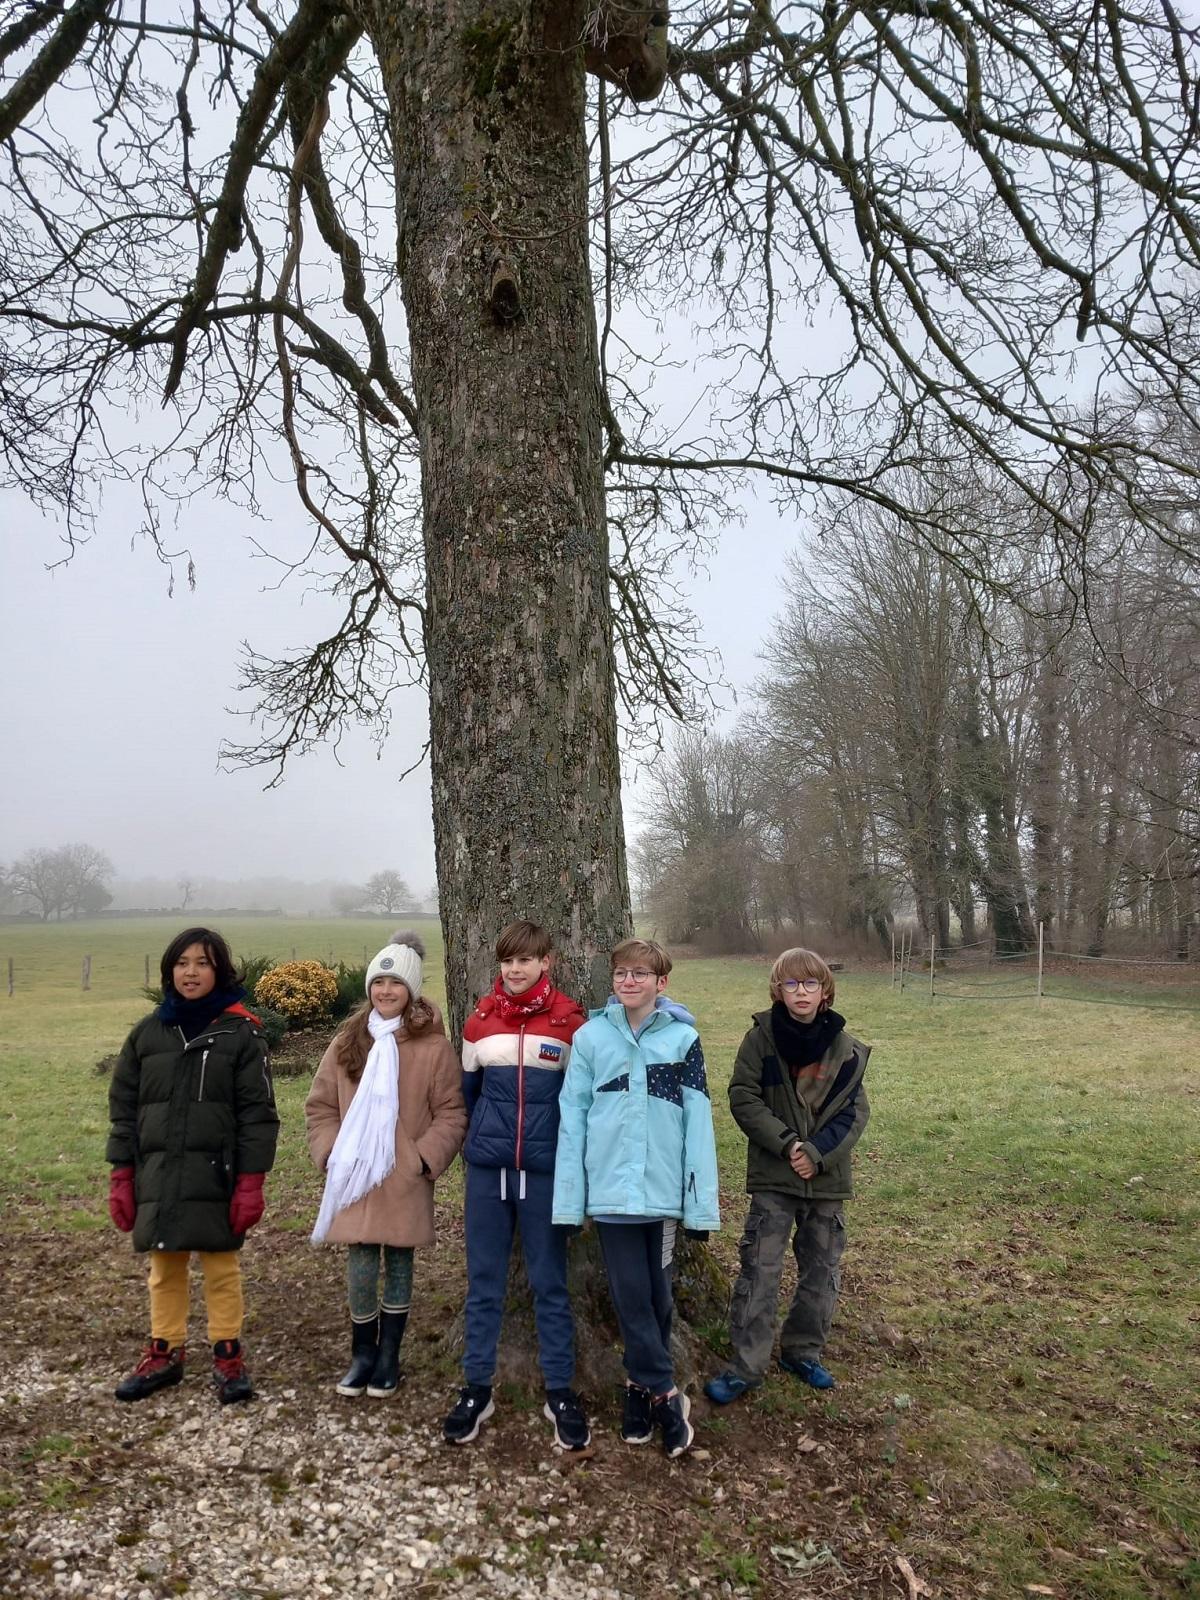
797	1093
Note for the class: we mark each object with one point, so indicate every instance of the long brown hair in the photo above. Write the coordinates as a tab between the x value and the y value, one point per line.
354	1039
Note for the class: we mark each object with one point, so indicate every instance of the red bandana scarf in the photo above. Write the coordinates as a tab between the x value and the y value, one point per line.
515	1008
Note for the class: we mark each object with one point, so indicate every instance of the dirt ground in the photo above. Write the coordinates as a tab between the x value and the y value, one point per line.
304	1493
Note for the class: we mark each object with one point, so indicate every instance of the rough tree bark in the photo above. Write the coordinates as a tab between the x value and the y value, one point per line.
487	102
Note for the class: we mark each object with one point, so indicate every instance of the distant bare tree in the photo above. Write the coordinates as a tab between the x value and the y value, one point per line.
71	879
37	877
346	898
388	891
699	853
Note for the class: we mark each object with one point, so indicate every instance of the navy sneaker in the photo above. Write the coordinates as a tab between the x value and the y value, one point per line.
562	1408
475	1406
810	1372
637	1424
727	1387
670	1415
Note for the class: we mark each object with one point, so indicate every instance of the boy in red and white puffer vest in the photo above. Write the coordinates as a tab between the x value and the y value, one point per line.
516	1045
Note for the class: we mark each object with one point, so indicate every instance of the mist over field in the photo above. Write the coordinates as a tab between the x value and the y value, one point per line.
126	692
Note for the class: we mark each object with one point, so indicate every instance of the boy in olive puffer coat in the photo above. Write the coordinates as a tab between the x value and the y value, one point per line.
797	1093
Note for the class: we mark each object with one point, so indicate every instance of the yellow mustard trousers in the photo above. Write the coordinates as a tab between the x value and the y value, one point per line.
169	1294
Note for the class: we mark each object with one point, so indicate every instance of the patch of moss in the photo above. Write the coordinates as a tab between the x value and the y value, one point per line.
491	61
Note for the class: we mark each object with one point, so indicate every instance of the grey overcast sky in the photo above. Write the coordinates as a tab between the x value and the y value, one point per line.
118	696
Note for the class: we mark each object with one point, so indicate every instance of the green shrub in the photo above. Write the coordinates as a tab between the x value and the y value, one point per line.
351	988
253	968
274	1023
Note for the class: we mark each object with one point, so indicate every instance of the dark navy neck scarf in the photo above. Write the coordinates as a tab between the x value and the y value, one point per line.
193	1016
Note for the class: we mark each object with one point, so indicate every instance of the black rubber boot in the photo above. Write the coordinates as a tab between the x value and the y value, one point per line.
386	1378
364	1348
160	1367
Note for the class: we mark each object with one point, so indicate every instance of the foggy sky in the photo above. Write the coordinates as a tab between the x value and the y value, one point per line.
118	696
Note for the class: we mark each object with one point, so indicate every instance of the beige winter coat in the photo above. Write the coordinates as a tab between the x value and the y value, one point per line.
430	1128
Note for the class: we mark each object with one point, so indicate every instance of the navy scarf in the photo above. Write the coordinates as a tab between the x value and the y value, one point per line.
193	1016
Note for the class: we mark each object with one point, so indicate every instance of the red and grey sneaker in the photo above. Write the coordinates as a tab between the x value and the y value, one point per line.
230	1378
161	1366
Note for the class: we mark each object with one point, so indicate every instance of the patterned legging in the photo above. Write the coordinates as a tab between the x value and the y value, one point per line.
362	1274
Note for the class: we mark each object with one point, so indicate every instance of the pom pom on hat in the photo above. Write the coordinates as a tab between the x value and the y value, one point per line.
399	958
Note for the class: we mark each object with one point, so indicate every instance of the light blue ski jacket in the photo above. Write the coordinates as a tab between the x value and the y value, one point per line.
635	1136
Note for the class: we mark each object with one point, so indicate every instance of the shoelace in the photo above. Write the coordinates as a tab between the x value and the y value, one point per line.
152	1358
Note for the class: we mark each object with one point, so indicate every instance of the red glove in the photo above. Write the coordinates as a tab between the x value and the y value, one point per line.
122	1207
246	1207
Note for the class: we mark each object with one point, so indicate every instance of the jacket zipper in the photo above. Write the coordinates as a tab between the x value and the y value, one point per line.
520	1094
203	1064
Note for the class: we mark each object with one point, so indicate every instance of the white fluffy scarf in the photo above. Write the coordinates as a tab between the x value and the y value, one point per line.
364	1151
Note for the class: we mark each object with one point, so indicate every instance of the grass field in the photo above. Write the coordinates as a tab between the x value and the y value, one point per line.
1019	1340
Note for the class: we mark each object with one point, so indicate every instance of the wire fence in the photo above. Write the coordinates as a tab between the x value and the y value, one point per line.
980	972
143	970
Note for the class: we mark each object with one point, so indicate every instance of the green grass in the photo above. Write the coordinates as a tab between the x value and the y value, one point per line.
1022	1264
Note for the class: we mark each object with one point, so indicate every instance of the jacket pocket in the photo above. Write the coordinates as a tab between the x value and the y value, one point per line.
223	1164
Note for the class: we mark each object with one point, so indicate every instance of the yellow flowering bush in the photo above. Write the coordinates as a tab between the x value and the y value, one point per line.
303	990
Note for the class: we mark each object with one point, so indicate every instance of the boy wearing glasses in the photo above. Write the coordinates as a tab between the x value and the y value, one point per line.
797	1093
636	1152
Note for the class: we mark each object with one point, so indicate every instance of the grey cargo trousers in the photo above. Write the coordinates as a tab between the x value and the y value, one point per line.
818	1241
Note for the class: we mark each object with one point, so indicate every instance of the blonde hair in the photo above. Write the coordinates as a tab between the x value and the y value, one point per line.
801	963
353	1039
646	951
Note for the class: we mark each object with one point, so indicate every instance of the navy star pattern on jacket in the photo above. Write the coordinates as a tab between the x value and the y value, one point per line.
667	1080
614	1084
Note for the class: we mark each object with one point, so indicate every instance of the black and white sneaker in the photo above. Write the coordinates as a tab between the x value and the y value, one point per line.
671	1418
637	1424
474	1407
562	1408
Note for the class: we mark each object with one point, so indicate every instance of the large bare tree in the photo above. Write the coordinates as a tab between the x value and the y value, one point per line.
989	211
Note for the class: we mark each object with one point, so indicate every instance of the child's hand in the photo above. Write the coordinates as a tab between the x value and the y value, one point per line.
246	1207
122	1207
801	1164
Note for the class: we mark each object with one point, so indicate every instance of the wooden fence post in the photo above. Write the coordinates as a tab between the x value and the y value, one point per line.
146	983
1041	931
10	974
87	972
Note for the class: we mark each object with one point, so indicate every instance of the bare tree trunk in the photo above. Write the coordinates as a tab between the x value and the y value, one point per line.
1045	807
488	113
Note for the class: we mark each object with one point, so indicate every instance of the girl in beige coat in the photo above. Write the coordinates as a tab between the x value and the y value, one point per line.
385	1118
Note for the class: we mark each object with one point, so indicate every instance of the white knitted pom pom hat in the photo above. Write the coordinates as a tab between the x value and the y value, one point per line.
400	958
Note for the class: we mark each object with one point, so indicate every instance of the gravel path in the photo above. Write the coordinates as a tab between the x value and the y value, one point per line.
288	1497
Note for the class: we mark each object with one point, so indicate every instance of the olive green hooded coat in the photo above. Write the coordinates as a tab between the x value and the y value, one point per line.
773	1117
